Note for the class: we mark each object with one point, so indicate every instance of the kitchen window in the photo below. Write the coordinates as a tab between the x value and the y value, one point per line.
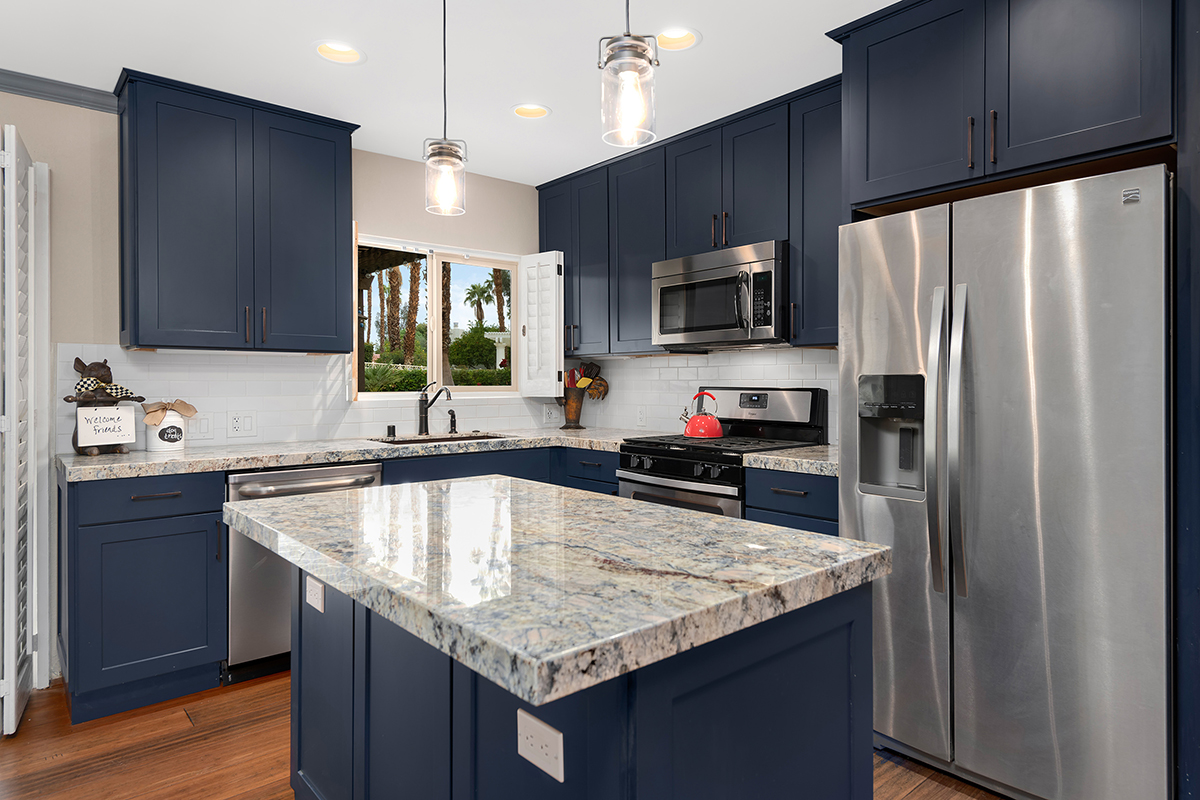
427	315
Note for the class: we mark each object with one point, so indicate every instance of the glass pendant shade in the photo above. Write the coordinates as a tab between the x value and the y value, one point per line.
446	177
627	92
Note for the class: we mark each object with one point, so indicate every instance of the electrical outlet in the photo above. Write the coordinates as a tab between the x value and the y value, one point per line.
200	427
540	745
550	413
242	423
641	422
314	593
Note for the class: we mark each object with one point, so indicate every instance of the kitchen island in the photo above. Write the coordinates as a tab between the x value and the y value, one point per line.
679	654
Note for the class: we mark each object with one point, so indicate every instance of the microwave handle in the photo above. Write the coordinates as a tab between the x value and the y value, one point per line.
743	277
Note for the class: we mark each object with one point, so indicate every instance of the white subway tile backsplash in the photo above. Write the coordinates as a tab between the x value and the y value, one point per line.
295	397
665	385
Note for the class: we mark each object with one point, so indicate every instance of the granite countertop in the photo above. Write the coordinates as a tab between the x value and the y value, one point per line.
822	460
547	590
268	455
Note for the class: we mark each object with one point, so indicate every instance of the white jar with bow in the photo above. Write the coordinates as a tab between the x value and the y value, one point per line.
166	431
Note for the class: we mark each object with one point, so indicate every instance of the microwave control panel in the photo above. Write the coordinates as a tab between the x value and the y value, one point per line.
762	297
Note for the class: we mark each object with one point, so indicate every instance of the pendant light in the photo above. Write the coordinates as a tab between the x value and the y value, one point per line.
445	160
627	63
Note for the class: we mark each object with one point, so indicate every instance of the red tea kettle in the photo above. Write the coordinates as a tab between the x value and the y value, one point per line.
703	425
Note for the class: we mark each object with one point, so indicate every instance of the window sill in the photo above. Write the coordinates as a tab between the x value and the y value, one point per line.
382	398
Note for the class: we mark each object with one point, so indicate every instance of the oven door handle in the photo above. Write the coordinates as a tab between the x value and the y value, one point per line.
671	483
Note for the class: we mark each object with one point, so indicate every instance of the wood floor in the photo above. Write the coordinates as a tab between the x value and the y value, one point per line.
232	744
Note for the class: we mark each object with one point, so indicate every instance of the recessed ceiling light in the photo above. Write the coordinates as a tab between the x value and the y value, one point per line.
678	39
531	111
339	52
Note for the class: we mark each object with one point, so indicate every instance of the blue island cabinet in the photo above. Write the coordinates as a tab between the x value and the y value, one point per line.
532	465
781	710
142	590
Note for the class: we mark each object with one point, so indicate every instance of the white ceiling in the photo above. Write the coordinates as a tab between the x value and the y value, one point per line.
501	54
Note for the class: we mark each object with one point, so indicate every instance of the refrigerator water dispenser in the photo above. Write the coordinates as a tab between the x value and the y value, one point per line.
891	435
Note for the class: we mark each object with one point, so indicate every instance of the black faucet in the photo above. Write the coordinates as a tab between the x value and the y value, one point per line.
423	404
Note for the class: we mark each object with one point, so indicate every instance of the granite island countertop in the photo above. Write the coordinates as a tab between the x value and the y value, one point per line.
547	590
272	455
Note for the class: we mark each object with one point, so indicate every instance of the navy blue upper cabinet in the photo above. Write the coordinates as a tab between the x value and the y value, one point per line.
913	87
236	222
728	187
945	91
815	209
187	227
554	233
304	237
637	221
694	195
588	333
1071	77
754	179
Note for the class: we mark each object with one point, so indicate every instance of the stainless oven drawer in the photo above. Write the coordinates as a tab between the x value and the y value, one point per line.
681	494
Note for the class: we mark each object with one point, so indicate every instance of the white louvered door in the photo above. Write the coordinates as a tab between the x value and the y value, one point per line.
540	293
16	680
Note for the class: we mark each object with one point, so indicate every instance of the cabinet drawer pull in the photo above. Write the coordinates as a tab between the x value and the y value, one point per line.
970	143
993	154
714	230
567	337
789	492
218	541
573	345
590	463
793	336
725	228
247	324
264	337
162	496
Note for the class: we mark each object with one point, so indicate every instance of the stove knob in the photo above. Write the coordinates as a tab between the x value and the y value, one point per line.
646	462
714	471
698	470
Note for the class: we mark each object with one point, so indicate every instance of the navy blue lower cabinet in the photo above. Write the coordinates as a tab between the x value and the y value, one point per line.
599	487
402	738
142	602
810	524
591	465
782	709
792	493
532	465
322	692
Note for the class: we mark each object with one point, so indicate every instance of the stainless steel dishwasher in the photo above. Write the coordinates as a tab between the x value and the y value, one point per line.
260	582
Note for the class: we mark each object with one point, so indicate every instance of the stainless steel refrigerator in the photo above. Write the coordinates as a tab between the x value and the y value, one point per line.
1004	427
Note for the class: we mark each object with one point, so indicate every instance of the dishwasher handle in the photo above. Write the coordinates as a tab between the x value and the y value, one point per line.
258	490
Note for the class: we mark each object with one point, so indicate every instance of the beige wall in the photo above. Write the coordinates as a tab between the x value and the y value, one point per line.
389	200
81	148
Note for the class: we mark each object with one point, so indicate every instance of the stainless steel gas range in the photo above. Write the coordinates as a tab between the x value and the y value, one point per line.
708	474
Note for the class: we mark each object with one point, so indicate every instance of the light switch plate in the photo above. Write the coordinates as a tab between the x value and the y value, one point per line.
549	413
641	416
200	426
540	745
314	593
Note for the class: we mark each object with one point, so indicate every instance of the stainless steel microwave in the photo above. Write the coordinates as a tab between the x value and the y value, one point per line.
723	300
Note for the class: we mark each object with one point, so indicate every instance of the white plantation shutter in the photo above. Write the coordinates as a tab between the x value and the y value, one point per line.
540	294
16	680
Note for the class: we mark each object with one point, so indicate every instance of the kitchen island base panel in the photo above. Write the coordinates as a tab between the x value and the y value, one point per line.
781	709
87	706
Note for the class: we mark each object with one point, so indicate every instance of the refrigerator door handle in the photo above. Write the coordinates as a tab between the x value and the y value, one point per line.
933	374
954	440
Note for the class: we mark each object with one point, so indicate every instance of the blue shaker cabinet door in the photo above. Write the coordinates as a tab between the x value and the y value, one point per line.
755	179
187	170
303	244
554	233
637	218
816	213
1070	77
694	195
589	236
913	84
151	599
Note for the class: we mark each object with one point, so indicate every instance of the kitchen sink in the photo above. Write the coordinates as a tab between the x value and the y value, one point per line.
428	439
